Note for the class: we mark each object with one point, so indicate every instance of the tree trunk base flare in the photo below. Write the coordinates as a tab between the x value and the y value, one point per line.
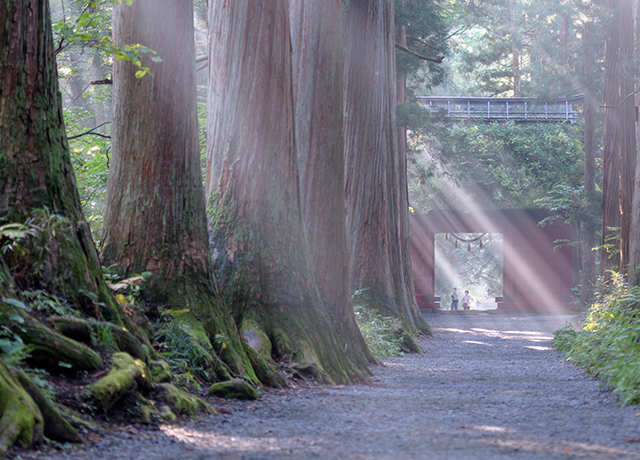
291	315
68	267
210	328
124	377
57	353
20	418
183	402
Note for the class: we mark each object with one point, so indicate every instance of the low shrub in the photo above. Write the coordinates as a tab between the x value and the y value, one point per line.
608	346
383	335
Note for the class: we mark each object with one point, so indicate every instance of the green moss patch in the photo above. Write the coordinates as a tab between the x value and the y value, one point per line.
233	389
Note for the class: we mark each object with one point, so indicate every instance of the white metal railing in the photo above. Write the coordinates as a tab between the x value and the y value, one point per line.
503	108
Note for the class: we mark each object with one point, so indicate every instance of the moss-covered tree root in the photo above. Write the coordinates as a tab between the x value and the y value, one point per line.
20	418
55	426
107	334
56	352
182	402
124	377
233	389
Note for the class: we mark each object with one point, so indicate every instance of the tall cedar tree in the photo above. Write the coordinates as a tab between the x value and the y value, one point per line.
318	66
35	166
260	247
36	173
589	225
155	219
377	205
634	239
619	135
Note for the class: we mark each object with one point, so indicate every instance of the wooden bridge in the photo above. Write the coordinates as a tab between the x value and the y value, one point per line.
519	109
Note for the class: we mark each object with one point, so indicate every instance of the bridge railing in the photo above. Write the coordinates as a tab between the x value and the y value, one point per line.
502	109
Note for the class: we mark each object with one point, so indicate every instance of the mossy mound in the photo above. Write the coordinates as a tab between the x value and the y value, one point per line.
233	389
159	371
124	377
21	420
183	402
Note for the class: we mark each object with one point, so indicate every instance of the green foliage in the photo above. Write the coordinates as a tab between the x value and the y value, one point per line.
103	335
49	303
427	24
384	335
500	165
31	238
90	160
189	361
608	346
12	348
549	37
412	115
86	24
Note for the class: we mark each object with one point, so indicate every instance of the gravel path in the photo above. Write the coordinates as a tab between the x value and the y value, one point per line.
490	386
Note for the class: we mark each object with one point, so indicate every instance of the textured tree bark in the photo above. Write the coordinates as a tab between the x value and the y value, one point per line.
376	189
155	218
612	133
318	67
35	167
20	418
627	130
634	237
260	247
589	225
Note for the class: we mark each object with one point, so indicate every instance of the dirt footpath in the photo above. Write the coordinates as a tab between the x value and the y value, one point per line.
490	386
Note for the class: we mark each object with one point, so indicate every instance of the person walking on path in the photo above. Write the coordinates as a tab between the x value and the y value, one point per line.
454	299
466	301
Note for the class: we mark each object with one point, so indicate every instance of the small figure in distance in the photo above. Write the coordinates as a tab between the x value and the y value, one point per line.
454	299
466	301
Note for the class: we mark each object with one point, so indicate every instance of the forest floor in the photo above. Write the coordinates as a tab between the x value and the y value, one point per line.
490	386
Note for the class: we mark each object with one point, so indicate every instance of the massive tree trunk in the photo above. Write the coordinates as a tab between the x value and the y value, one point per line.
634	238
154	200
627	130
612	133
619	138
588	227
35	167
318	58
155	218
36	173
260	247
376	189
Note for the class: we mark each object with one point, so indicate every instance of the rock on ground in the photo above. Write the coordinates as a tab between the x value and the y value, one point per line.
490	386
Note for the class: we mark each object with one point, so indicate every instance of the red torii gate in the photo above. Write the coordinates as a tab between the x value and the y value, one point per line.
534	275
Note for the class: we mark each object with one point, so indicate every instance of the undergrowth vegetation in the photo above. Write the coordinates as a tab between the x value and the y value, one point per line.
188	361
608	346
384	335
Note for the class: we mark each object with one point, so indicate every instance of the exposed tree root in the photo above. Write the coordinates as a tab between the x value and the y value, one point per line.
182	402
55	426
124	377
117	336
55	352
20	418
